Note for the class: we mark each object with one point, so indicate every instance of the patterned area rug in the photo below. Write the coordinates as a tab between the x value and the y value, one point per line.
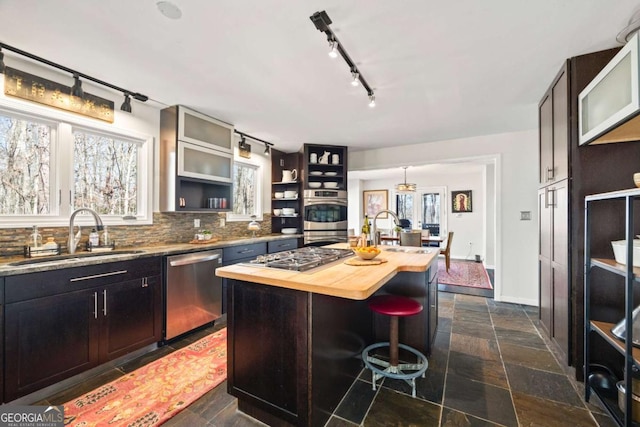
464	273
156	392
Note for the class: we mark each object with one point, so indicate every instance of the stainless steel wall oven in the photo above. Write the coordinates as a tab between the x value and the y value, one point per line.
325	216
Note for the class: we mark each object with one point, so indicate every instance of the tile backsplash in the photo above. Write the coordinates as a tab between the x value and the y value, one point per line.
167	228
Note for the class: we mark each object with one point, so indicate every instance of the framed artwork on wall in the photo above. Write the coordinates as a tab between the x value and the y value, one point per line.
461	201
375	201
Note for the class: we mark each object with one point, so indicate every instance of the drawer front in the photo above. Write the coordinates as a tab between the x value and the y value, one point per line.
233	254
282	245
46	283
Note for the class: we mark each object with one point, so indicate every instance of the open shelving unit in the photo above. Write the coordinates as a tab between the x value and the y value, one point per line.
625	304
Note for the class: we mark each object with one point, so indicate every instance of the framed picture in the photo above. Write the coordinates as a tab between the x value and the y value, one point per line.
461	201
374	201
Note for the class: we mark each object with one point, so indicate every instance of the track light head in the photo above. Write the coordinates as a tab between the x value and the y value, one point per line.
76	90
356	78
267	149
1	61
333	53
126	105
372	100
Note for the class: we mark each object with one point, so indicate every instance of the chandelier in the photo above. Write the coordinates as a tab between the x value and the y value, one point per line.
405	187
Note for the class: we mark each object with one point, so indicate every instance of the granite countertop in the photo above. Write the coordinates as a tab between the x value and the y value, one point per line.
339	279
82	258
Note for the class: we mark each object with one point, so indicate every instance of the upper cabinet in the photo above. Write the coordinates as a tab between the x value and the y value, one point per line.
554	131
325	166
196	161
609	105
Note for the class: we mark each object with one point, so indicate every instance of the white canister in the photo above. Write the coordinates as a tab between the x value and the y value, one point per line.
313	158
335	159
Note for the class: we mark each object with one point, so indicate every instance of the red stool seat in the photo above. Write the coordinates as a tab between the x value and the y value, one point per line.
394	305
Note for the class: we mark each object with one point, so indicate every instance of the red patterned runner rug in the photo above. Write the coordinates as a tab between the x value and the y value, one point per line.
156	392
464	273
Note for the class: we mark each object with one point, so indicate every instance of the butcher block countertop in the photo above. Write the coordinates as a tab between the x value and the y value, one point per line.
338	279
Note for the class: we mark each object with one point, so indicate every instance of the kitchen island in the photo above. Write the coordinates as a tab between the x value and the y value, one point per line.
295	338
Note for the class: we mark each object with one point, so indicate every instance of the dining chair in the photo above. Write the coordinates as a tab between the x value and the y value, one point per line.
447	251
410	238
424	234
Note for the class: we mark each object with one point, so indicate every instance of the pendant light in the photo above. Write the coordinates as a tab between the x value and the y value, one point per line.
405	187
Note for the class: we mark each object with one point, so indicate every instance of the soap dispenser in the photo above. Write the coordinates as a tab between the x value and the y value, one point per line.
35	239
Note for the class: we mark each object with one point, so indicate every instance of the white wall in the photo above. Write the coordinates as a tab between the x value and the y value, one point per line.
516	159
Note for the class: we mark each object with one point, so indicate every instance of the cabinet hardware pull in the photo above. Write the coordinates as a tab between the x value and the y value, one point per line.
95	276
95	305
144	282
194	260
547	192
550	174
245	251
104	300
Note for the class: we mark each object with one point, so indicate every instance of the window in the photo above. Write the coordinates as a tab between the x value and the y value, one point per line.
431	208
247	191
25	156
404	206
49	167
105	174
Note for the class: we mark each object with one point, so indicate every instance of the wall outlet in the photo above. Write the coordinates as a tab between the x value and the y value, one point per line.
196	223
222	222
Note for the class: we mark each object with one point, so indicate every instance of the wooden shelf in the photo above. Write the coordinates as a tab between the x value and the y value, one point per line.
614	267
604	330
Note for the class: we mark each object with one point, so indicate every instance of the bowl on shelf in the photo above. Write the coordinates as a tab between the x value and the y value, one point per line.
315	173
315	184
279	195
331	173
290	194
277	212
369	252
620	251
636	179
288	211
289	230
331	184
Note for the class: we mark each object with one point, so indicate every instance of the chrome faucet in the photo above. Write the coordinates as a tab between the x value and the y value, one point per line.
73	240
374	229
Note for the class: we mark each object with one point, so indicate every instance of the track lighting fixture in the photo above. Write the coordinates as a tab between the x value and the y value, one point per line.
126	105
322	21
243	142
76	90
355	76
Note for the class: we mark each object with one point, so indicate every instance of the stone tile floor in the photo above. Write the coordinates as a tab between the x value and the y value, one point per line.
490	367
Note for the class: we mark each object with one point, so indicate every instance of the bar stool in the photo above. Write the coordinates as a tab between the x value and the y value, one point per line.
395	306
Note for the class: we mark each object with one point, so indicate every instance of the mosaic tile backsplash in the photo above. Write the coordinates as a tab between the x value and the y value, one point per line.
167	228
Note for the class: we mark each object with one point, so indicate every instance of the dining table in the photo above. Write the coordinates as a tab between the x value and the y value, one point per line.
425	239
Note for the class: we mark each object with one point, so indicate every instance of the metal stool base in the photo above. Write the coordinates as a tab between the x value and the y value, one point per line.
395	372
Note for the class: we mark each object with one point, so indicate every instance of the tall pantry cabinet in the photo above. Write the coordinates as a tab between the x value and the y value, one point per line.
566	174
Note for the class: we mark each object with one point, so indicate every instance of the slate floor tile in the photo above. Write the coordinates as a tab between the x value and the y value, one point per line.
474	368
529	357
430	388
453	418
474	329
537	411
527	339
356	403
479	399
514	323
542	384
389	404
479	347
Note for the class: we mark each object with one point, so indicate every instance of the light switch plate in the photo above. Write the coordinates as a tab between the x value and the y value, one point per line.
222	222
525	215
196	223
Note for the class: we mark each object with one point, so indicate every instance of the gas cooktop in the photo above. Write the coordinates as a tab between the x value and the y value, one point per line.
302	259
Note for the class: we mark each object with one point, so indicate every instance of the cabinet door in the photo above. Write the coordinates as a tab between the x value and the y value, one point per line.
131	316
544	259
204	130
560	129
545	117
49	339
559	266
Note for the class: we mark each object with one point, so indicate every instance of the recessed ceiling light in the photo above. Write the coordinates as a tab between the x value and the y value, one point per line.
169	9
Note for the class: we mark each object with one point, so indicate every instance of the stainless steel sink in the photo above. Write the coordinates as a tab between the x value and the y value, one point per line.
408	249
73	257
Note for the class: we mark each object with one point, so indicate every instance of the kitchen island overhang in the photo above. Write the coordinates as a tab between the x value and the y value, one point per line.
295	338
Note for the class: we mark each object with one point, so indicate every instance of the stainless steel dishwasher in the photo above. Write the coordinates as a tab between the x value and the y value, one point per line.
193	292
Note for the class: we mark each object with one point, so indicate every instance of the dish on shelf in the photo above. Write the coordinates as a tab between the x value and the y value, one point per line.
290	194
620	251
288	211
331	173
315	173
277	212
289	230
331	184
279	195
315	184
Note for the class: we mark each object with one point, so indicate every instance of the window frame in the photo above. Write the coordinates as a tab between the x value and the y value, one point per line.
61	165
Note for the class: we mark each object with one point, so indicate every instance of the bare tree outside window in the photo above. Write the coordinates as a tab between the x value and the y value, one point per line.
404	206
431	208
25	147
105	174
245	185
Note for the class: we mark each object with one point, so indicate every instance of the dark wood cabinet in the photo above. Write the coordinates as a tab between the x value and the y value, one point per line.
569	172
329	174
61	323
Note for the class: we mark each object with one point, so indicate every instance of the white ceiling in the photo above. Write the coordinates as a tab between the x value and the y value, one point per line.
440	70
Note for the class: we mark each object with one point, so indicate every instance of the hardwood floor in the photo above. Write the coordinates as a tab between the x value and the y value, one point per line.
490	367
